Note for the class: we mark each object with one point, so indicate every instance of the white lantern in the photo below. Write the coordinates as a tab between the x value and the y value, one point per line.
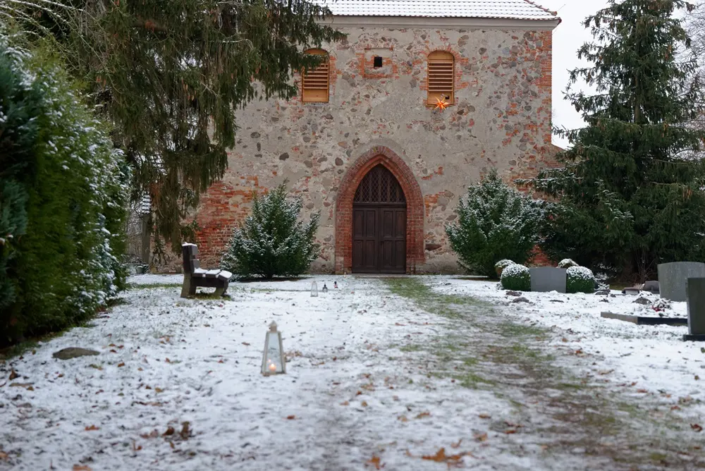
273	360
314	289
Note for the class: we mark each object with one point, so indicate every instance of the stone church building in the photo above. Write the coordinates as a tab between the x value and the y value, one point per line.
366	144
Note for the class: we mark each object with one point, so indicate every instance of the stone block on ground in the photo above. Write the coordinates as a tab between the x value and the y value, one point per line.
673	278
696	307
74	352
546	279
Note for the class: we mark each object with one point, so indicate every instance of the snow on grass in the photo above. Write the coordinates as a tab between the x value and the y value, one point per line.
362	380
654	358
351	390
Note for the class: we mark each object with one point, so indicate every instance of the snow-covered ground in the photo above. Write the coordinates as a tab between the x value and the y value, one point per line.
653	357
359	392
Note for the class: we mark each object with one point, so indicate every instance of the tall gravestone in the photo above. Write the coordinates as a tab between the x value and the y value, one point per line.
545	279
673	278
696	309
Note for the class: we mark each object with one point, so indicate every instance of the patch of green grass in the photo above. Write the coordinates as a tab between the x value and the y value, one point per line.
411	348
511	329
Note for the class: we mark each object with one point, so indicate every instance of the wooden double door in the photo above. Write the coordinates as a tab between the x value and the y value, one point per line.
379	224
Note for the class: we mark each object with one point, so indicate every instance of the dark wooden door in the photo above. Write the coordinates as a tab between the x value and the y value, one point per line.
379	224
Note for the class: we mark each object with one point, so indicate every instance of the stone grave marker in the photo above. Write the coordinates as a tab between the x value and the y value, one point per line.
545	279
673	278
696	309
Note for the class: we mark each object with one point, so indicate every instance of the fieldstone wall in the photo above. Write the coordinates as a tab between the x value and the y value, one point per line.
501	118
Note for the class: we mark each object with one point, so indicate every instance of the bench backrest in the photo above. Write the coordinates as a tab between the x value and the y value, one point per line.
190	262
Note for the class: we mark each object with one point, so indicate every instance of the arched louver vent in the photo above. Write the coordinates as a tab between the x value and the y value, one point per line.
316	82
441	77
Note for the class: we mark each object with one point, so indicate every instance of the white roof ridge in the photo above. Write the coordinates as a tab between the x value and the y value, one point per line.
497	9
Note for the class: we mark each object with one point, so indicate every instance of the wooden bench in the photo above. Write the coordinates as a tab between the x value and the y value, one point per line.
195	276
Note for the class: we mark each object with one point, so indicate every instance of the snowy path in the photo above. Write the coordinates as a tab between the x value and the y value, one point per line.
373	375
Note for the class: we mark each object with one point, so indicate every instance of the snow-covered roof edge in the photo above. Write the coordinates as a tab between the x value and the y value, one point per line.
524	10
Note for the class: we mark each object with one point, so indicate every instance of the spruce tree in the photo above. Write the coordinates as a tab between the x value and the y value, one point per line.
495	222
630	195
273	241
169	75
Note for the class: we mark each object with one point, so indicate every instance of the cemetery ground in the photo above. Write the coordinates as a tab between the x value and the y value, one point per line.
409	373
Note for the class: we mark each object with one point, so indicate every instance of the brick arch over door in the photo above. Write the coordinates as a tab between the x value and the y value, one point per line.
344	207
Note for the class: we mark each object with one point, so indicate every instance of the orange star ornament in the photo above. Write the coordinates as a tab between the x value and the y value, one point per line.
441	104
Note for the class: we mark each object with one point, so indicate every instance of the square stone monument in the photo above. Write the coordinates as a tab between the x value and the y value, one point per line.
545	279
696	309
673	278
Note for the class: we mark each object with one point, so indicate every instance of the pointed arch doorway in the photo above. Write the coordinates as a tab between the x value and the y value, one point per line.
379	224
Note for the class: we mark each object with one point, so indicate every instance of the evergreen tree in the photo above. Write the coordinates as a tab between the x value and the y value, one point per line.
630	195
63	192
495	222
169	75
272	241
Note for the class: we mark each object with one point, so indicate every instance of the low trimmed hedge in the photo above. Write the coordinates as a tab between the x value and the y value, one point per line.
580	280
516	277
501	265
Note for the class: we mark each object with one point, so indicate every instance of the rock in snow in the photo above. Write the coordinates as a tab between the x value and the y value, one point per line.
74	352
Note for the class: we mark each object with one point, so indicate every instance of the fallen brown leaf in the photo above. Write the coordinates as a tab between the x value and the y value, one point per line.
91	427
441	457
346	403
364	404
13	375
457	445
185	431
510	431
423	414
290	417
484	416
169	431
153	434
3	455
481	437
696	427
246	344
158	390
675	408
78	467
642	391
403	418
376	462
120	365
167	360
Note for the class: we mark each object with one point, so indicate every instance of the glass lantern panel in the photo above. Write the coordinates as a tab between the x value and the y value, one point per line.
273	359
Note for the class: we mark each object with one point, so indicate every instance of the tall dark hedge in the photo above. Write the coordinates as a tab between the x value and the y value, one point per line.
62	201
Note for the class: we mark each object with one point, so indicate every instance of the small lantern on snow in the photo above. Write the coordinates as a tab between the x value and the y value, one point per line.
325	288
273	360
314	289
335	284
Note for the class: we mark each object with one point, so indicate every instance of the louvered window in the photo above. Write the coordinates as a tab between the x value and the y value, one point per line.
441	77
316	82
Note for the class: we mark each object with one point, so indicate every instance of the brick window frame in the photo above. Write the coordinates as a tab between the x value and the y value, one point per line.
415	254
315	83
440	77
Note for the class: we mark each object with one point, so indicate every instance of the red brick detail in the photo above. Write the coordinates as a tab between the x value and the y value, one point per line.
344	207
540	259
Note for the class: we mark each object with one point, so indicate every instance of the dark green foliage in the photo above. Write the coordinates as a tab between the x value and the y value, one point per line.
517	278
580	280
494	222
630	194
62	201
272	241
171	74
